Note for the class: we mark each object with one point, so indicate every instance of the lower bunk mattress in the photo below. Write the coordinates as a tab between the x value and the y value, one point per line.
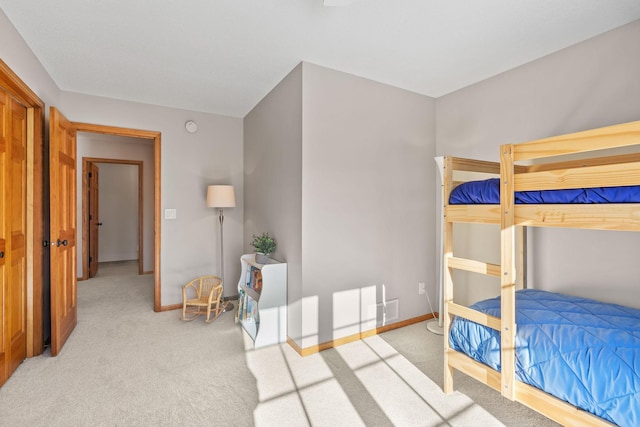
579	350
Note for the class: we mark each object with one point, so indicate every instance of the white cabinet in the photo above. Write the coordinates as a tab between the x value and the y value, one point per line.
262	303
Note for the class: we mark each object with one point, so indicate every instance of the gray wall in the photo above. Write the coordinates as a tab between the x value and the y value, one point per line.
273	180
352	197
591	84
368	191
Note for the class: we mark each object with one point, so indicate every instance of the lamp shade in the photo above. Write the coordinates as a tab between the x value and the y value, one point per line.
221	196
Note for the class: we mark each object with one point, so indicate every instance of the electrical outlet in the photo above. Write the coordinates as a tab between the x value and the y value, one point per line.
421	288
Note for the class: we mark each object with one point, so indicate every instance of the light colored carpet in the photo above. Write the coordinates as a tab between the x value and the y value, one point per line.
125	365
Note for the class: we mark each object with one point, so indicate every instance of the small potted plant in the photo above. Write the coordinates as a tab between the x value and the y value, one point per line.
264	245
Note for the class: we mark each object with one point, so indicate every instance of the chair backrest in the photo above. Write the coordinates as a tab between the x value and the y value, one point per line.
207	284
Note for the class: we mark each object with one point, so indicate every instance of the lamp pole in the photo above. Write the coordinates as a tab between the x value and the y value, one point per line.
433	326
221	196
228	306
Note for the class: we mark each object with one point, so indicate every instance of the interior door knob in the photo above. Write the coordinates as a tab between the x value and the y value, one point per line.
1	254
99	223
62	242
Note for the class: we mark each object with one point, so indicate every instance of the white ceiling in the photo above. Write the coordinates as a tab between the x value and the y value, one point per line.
223	56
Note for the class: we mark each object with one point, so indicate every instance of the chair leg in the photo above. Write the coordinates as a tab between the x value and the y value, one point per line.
209	312
216	312
222	306
193	314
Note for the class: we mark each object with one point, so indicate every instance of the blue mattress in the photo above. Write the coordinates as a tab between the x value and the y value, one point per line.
487	192
582	351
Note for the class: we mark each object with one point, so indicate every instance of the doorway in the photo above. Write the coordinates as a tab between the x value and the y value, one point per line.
112	206
63	207
154	140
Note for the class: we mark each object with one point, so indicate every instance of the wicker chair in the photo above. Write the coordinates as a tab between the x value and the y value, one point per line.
202	295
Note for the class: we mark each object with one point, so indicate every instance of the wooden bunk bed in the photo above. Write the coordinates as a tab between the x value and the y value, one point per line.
532	166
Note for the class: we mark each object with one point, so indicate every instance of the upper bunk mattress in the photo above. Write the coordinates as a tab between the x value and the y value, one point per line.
487	192
582	351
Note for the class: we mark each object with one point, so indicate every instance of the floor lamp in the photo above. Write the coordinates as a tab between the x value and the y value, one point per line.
436	326
221	196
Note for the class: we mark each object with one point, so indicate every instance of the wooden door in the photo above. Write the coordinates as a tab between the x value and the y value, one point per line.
62	164
4	213
16	292
13	224
94	218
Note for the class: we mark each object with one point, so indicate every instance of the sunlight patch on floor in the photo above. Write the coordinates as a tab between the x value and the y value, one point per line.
406	395
299	391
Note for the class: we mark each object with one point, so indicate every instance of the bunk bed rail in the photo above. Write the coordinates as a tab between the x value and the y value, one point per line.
617	136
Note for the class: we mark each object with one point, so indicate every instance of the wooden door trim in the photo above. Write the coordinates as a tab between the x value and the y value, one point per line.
35	213
115	130
86	161
157	142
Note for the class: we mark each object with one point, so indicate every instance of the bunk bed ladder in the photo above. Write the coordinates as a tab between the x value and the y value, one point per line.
452	359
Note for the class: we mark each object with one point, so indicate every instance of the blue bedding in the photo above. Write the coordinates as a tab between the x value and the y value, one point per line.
487	192
582	351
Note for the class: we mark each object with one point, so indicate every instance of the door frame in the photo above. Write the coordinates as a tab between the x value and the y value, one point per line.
35	204
156	137
86	161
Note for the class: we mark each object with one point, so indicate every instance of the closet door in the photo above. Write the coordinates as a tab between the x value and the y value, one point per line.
4	211
16	294
13	167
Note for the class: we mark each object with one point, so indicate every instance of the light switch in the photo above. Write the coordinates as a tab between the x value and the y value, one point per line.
169	214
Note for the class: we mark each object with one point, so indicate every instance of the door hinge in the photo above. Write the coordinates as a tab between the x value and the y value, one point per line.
90	259
90	175
89	217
